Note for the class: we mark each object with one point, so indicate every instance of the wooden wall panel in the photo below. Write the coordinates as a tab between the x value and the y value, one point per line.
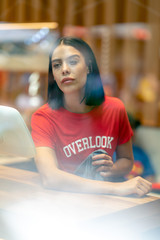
5	8
108	41
52	11
151	111
70	10
34	9
129	58
88	13
21	11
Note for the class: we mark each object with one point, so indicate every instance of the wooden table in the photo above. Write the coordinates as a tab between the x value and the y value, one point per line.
28	211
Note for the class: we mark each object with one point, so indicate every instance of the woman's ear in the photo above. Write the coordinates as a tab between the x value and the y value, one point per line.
89	67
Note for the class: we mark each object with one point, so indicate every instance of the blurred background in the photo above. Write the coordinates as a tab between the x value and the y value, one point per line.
124	35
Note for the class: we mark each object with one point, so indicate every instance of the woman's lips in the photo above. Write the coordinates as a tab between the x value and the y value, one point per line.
67	80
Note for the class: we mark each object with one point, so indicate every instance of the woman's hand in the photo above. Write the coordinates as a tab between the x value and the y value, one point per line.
122	166
137	185
103	164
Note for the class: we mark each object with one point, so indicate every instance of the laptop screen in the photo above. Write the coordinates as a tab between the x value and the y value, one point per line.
15	138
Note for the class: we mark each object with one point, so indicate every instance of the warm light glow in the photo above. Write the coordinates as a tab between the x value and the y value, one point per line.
38	25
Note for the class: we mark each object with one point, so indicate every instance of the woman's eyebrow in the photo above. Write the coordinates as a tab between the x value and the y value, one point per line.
56	60
72	56
59	59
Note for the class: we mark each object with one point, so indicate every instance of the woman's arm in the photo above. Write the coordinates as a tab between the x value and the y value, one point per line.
54	178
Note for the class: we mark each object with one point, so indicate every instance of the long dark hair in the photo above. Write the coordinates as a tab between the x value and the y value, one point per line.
94	93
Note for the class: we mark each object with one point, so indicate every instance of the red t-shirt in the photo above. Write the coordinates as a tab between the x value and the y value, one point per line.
74	136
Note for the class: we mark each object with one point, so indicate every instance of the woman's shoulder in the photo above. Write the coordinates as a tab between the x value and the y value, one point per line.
44	109
113	102
44	112
47	113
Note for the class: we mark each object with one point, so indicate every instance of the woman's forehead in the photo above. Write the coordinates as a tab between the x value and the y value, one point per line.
65	51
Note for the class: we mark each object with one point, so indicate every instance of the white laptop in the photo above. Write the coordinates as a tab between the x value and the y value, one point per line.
15	138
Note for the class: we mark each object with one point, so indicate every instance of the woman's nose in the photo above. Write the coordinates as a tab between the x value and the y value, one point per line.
65	68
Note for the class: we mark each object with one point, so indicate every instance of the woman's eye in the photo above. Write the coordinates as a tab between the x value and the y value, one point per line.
73	62
56	65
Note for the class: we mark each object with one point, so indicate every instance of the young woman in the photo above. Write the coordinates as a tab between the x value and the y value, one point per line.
76	121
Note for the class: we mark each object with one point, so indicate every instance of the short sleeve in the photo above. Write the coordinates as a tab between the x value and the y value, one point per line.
125	130
42	131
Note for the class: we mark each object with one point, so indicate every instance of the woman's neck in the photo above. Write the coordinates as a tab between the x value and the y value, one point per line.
76	105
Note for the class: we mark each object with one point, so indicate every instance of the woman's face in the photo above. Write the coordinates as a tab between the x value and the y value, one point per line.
69	69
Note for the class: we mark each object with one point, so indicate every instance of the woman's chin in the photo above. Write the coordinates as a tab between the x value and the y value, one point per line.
70	90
